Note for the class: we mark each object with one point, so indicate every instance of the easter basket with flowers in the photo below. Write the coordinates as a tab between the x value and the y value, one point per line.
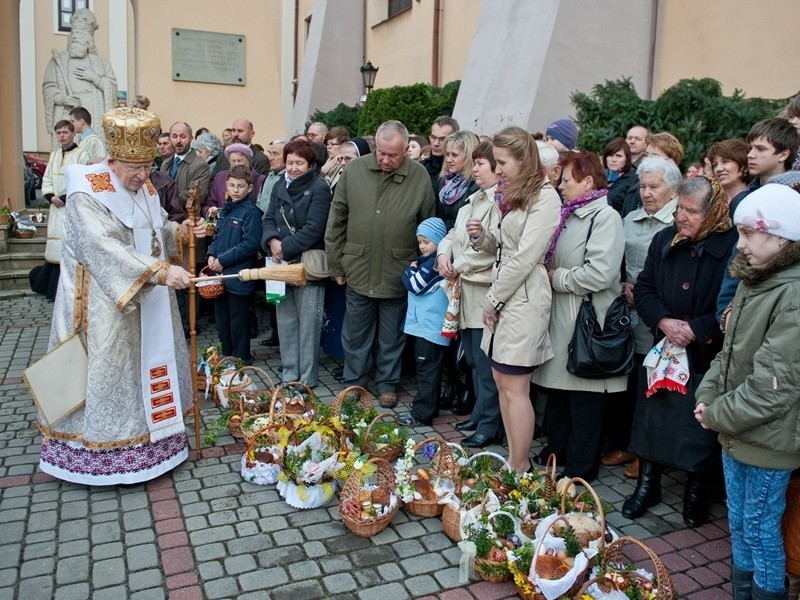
480	473
425	490
261	460
623	581
487	542
383	438
368	500
315	454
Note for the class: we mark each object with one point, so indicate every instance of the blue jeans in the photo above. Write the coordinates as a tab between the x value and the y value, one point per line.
756	502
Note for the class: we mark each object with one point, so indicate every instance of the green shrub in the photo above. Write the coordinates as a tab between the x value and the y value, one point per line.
339	116
693	110
416	106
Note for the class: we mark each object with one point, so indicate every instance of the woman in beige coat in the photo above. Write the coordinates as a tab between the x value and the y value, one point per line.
585	257
516	309
458	258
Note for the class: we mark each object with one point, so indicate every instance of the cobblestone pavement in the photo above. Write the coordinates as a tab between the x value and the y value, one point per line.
201	532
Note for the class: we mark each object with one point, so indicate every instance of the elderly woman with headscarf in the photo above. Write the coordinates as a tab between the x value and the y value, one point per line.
237	154
208	146
658	180
675	295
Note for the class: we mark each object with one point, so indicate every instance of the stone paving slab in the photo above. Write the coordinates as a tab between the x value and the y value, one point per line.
202	532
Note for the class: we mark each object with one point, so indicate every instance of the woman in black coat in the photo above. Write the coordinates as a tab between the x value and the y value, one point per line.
620	174
293	224
675	296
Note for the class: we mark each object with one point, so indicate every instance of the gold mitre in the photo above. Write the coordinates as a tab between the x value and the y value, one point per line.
131	134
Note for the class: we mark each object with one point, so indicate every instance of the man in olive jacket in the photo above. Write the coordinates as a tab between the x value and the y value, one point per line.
370	239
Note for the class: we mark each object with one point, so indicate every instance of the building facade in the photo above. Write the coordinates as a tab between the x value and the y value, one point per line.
303	55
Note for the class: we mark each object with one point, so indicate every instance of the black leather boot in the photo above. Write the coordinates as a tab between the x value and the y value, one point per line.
465	398
759	594
647	492
448	397
742	584
695	500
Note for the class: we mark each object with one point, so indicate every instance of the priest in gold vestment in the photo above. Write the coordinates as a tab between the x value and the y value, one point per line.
116	292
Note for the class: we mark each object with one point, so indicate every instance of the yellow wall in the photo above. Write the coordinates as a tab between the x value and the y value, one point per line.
743	44
402	47
210	105
458	21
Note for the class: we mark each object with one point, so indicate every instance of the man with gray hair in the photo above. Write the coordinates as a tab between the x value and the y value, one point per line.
316	132
277	168
370	239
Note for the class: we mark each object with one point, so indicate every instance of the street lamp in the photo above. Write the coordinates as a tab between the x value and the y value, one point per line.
368	72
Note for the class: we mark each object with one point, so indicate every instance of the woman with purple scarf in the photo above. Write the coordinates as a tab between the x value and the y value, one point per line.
584	257
455	181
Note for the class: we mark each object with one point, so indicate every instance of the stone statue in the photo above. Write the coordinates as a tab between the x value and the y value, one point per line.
78	76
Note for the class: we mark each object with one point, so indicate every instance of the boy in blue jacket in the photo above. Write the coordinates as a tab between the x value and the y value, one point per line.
235	247
427	305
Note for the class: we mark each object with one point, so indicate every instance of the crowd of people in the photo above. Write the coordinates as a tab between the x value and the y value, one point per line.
479	250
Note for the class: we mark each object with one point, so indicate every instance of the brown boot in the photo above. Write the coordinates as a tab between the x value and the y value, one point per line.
632	470
616	458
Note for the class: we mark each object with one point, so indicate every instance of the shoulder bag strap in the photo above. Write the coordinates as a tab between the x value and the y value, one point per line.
588	235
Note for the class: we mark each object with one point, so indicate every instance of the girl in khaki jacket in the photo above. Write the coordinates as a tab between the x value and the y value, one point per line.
516	309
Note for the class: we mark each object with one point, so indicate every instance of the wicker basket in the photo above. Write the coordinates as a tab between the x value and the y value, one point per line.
388	452
483	572
350	505
258	469
295	408
451	516
665	590
571	593
209	290
614	555
451	522
222	374
444	466
248	402
275	416
24	234
365	399
266	436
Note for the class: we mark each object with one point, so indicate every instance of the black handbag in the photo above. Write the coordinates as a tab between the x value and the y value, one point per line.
597	352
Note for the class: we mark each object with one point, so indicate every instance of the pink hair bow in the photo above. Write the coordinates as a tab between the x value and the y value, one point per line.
759	223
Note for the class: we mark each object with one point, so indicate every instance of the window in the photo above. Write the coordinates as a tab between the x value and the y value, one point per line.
66	8
398	6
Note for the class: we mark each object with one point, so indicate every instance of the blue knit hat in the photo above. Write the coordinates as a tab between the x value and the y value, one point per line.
433	229
565	131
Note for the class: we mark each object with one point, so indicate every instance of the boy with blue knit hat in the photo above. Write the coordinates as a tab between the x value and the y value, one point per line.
427	305
563	134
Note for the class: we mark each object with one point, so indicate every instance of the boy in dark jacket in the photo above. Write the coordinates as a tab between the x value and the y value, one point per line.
235	247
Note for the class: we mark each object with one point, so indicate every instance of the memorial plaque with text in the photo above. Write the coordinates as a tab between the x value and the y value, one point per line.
208	57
